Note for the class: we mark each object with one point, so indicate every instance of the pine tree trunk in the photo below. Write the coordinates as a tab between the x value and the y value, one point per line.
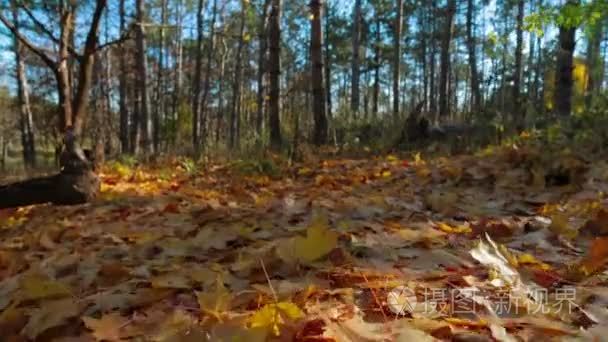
355	68
262	66
316	59
26	120
142	72
207	82
518	111
471	46
446	42
122	90
565	58
274	59
328	62
236	85
594	63
397	59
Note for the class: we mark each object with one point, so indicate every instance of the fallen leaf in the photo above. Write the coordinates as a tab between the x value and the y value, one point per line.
51	314
108	327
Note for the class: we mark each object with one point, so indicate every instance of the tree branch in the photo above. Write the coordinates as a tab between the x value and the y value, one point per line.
46	31
36	50
124	37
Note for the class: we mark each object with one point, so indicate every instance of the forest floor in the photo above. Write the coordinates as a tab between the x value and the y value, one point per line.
505	245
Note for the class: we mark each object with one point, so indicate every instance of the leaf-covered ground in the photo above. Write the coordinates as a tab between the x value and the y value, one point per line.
506	245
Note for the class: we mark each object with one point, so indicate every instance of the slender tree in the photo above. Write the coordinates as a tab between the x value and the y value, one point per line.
565	64
26	120
471	47
397	58
142	79
355	67
446	41
274	101
316	63
519	112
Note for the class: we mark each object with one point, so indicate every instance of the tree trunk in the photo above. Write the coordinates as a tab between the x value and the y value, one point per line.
262	65
142	72
196	88
26	121
328	61
432	62
221	82
376	99
355	68
564	80
177	94
397	59
316	59
236	85
122	89
594	63
446	42
471	46
207	83
518	111
274	101
159	108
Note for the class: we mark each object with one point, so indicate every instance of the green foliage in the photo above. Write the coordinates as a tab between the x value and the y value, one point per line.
257	167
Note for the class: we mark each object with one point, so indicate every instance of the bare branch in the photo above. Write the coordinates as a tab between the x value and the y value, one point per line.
124	37
46	31
35	49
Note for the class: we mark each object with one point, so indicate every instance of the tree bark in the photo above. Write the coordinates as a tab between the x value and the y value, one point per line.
594	63
376	98
26	121
316	59
262	66
397	59
207	83
142	72
328	62
159	108
274	101
446	42
355	67
471	46
196	88
565	58
518	111
122	89
236	85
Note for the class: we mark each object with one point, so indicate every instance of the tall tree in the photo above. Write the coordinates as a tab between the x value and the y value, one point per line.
446	41
198	74
397	58
274	59
316	63
207	83
594	61
235	117
122	88
262	64
142	79
565	63
26	120
519	112
471	47
355	66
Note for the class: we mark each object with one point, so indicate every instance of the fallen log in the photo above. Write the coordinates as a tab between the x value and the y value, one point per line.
76	183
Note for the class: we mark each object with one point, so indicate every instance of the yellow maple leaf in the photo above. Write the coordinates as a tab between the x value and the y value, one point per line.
106	328
319	241
215	302
273	315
